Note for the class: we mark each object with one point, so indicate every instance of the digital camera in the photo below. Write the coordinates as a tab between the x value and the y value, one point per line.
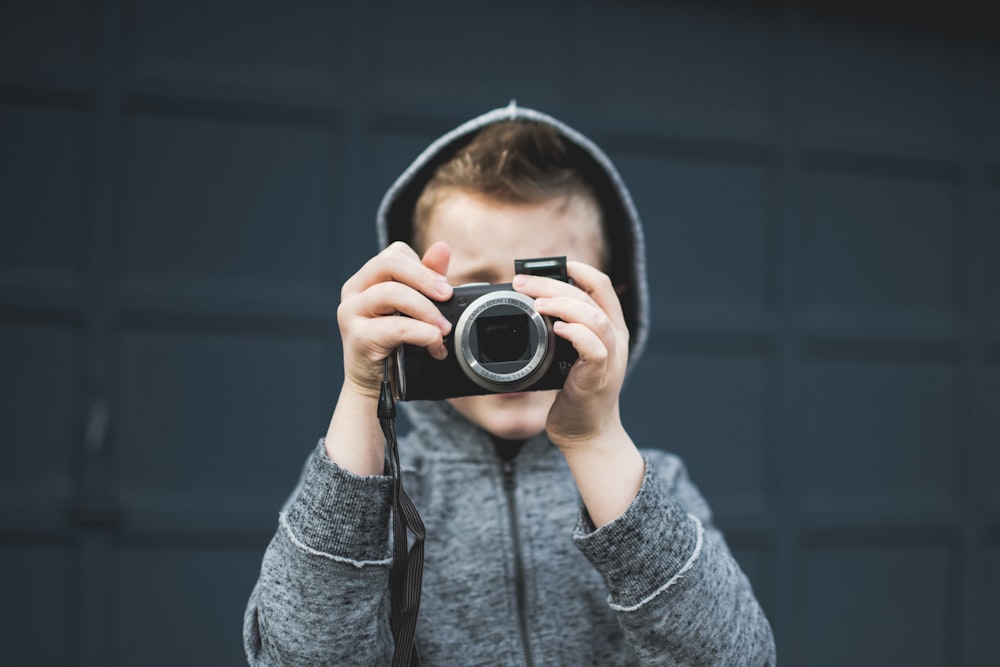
498	344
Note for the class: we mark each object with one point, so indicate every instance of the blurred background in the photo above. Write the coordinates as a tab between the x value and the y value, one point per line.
184	186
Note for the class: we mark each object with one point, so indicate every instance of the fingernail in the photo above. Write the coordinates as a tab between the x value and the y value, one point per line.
444	324
443	288
439	352
520	280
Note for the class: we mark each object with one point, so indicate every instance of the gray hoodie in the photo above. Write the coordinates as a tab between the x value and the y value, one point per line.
515	572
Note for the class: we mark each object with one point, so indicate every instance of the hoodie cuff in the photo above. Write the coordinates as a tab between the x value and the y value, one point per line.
645	550
339	514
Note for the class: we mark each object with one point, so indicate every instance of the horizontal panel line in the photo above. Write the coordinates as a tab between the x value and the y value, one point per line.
309	318
940	163
874	535
247	104
58	88
751	150
331	106
313	307
713	342
897	348
49	312
41	537
312	320
699	337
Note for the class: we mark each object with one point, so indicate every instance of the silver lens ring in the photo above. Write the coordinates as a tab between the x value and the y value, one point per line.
504	382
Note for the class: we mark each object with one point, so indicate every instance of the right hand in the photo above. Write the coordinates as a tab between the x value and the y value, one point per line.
396	281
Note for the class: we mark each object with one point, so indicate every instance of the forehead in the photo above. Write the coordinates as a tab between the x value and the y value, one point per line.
486	236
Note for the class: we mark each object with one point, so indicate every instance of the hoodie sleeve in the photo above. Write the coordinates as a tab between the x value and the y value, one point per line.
321	598
678	593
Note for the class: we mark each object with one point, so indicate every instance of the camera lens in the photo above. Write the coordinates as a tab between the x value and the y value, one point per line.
502	342
503	338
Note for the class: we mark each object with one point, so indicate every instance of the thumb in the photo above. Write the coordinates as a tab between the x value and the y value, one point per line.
437	257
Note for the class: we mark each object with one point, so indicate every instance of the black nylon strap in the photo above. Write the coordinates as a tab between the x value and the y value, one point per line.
407	570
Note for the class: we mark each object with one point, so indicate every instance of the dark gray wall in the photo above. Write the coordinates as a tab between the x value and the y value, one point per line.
184	186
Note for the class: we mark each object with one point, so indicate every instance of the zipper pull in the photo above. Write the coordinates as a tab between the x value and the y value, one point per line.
507	470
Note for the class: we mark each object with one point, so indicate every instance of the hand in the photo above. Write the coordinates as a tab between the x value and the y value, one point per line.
584	421
396	281
590	317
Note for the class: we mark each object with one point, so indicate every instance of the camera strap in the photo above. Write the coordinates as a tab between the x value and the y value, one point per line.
407	570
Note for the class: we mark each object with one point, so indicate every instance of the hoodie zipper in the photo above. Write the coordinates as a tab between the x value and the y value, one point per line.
509	487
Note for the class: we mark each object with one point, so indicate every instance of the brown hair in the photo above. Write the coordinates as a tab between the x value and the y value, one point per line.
513	162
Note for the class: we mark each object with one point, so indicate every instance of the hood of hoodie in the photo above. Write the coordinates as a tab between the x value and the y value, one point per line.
622	225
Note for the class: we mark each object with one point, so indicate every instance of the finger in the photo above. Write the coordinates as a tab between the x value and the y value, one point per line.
390	298
399	263
541	285
598	285
586	313
590	348
590	286
382	335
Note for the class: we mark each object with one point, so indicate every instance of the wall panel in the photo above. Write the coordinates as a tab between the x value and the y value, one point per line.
876	436
213	426
710	407
883	247
506	51
989	435
225	205
41	167
48	35
865	595
882	82
37	586
989	254
989	596
709	224
662	64
302	46
39	389
155	582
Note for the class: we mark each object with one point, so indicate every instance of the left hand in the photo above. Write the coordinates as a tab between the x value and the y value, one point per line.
586	409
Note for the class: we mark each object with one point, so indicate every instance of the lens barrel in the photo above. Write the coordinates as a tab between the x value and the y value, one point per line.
502	343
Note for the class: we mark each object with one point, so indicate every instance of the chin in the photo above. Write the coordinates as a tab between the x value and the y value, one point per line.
508	416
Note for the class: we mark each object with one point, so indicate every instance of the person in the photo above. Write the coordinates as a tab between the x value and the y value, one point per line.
552	539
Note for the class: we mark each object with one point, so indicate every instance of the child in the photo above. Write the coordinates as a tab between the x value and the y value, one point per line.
551	538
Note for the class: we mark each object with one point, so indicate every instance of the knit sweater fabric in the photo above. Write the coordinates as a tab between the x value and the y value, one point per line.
515	573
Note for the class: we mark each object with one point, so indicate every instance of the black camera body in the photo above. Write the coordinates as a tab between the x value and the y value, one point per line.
498	344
